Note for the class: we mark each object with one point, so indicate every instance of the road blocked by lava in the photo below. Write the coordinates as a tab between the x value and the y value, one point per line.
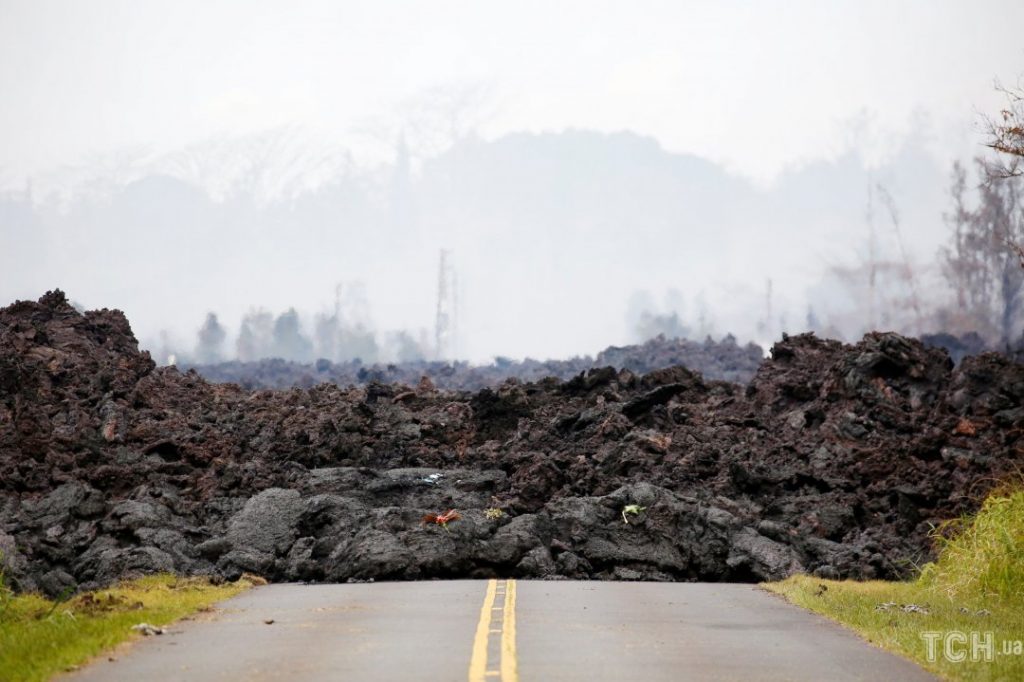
834	460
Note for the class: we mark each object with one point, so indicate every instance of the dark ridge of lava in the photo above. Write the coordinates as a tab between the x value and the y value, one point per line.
834	459
723	360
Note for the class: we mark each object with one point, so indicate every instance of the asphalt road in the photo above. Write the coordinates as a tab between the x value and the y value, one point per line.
485	631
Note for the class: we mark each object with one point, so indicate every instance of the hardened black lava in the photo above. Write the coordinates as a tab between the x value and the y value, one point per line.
834	459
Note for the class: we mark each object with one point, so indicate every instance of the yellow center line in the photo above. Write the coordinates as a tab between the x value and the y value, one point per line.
478	668
478	662
509	668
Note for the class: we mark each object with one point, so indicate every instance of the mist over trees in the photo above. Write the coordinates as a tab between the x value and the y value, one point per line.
1006	136
209	345
980	262
627	239
287	340
263	335
255	336
974	284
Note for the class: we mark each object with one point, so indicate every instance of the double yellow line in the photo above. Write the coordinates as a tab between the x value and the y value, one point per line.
479	670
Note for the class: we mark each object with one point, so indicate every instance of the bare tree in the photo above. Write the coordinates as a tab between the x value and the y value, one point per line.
1006	135
275	164
433	120
982	263
883	283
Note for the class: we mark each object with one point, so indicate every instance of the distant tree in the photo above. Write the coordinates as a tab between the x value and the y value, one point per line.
356	342
325	336
439	117
406	349
210	342
254	336
1006	136
812	322
288	340
982	261
881	286
279	163
651	325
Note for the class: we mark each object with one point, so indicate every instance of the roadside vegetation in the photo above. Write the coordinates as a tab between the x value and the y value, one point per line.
975	586
40	637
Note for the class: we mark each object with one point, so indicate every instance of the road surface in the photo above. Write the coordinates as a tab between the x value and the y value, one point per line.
490	631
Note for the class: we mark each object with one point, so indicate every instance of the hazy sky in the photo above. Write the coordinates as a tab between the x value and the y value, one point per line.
757	86
812	100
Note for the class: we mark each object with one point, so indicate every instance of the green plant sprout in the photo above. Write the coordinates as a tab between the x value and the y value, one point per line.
634	509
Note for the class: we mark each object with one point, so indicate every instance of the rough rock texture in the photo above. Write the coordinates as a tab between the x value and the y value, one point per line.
723	360
834	459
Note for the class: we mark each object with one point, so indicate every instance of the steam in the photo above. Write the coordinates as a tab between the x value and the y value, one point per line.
560	244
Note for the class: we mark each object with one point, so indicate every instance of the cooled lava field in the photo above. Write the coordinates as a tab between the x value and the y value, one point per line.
833	459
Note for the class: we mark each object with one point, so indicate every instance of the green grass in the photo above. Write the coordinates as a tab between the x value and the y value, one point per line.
40	638
976	585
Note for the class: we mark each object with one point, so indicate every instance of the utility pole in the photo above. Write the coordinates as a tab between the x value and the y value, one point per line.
872	256
445	326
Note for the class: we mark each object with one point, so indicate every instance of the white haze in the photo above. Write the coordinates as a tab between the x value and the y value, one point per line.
582	161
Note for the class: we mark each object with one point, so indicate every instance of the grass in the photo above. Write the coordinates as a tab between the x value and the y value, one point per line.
976	585
40	637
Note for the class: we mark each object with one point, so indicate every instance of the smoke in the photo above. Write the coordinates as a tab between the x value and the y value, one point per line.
560	244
